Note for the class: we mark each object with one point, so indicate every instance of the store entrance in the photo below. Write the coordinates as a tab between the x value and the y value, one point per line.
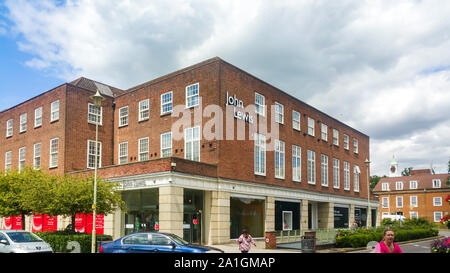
192	229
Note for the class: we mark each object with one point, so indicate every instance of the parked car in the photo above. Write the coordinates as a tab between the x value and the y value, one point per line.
153	242
20	241
393	217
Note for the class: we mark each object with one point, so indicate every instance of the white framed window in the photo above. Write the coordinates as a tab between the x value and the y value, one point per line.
384	213
413	201
335	137
22	154
54	150
91	156
311	126
413	214
260	154
95	114
437	201
385	186
166	144
437	216
123	152
54	111
436	183
295	120
192	143
355	145
192	95
279	112
9	128
324	132
336	172
37	156
123	116
144	109
287	220
356	172
166	103
143	148
346	176
311	167
412	185
346	141
324	170
37	117
260	106
399	201
399	185
8	160
23	123
296	163
385	202
279	159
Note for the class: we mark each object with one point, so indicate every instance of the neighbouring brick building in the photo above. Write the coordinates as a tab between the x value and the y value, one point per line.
201	152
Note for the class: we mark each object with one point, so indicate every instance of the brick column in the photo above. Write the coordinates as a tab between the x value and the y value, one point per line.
269	219
171	210
304	215
219	227
326	215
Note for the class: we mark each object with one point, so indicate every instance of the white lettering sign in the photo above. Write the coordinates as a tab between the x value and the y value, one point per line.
234	101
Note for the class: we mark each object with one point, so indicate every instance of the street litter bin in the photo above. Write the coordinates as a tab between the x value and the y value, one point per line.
271	240
308	244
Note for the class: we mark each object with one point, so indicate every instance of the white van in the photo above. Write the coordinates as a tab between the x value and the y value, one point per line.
393	217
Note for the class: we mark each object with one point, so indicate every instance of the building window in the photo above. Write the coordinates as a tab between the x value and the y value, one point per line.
279	159
385	202
296	163
399	185
310	126
260	154
287	220
144	110
94	114
355	145
279	112
8	160
296	120
385	186
336	182
356	172
166	144
436	183
437	216
346	176
54	147
123	152
192	95
123	116
192	143
413	214
324	170
54	111
22	154
37	156
260	107
346	141
399	201
92	156
9	128
413	201
335	137
166	103
311	167
143	148
23	123
437	201
324	132
412	185
37	117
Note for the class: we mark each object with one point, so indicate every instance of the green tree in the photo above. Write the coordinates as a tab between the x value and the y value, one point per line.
407	171
374	179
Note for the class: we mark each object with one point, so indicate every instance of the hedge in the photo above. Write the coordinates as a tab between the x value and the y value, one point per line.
59	240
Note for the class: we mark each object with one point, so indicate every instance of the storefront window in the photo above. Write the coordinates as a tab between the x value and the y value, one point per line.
287	215
192	215
341	217
246	213
141	210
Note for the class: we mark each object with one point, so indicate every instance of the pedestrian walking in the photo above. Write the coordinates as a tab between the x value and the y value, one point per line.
245	241
387	245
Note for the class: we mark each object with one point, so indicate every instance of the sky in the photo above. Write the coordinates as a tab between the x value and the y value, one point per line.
382	67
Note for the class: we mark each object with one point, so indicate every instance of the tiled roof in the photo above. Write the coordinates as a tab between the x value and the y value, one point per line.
94	85
424	181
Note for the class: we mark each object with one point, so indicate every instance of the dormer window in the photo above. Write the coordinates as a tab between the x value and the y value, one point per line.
436	183
385	186
399	185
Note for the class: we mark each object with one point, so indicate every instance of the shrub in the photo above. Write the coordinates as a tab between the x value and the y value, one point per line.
59	240
441	246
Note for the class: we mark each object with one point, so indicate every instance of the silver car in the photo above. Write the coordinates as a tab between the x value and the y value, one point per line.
20	241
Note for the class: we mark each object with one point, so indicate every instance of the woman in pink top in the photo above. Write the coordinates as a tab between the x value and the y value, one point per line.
245	241
388	245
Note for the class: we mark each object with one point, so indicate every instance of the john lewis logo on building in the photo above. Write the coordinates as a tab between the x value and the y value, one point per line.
238	104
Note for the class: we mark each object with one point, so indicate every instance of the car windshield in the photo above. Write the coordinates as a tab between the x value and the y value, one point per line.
178	239
23	237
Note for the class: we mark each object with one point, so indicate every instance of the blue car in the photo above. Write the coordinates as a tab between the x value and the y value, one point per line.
153	242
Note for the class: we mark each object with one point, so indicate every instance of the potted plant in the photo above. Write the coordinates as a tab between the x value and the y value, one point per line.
446	221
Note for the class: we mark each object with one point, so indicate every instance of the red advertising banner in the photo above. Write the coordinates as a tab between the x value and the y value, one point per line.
17	222
83	223
44	223
37	223
7	222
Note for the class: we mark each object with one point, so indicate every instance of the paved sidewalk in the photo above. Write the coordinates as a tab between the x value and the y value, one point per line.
260	248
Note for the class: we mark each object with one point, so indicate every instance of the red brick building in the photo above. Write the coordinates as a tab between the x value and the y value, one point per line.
201	152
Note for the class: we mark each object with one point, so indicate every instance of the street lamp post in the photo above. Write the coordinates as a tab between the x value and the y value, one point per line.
97	98
369	212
